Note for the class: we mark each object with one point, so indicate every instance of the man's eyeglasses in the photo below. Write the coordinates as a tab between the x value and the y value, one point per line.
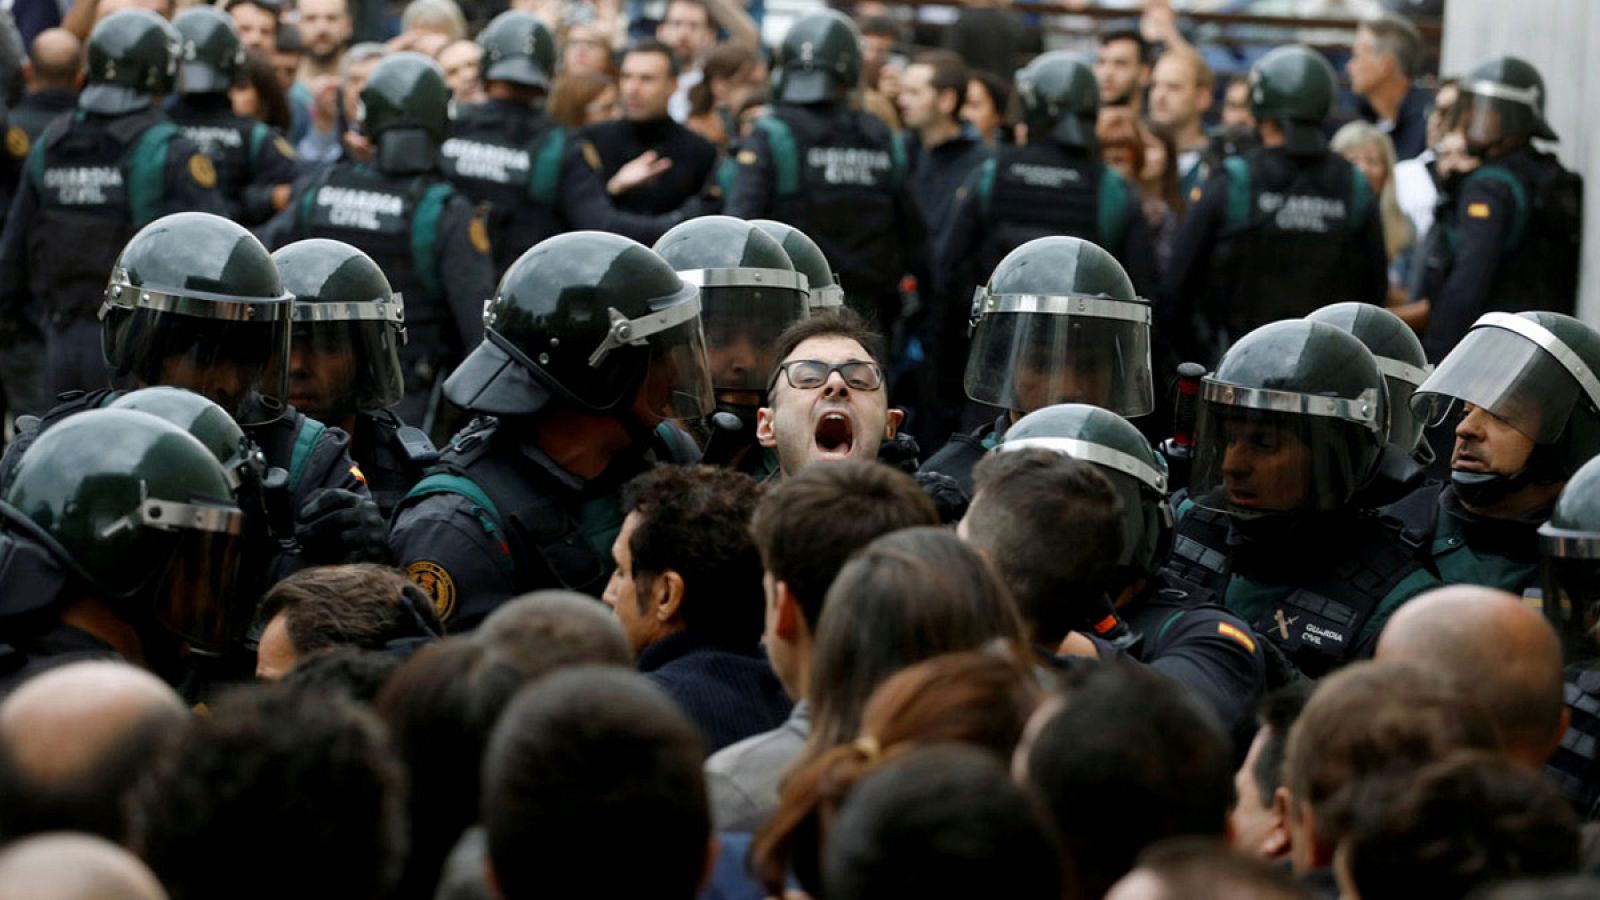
805	374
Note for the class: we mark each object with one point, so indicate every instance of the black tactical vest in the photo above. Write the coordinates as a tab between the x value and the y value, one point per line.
1038	190
507	156
392	455
1539	262
229	140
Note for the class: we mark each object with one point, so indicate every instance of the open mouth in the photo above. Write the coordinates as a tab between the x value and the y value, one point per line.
835	436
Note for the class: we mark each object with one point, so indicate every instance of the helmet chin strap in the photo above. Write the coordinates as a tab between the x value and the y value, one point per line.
1485	489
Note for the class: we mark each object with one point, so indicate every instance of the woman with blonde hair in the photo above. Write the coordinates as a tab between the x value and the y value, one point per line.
1371	151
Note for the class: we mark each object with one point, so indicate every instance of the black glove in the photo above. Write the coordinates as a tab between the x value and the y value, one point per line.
948	497
336	527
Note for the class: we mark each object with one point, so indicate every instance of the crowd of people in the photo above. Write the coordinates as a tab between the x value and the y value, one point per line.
447	449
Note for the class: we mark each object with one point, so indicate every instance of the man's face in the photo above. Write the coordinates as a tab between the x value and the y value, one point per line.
324	28
222	381
1236	106
647	85
623	595
585	52
920	103
687	30
833	421
1367	67
875	52
1265	467
1176	100
258	28
286	66
1444	104
460	63
1252	820
1118	71
1487	443
355	82
1086	378
321	379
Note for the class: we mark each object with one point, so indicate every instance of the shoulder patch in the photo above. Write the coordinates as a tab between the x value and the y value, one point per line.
746	158
437	584
284	147
357	474
1229	631
591	156
17	142
478	233
201	170
1478	210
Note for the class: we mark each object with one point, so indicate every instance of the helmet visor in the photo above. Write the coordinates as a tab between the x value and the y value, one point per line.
1405	428
1488	111
239	364
1030	352
343	360
195	596
1260	452
678	382
1506	373
742	323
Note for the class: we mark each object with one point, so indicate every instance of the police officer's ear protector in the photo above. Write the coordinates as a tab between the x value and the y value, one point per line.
412	627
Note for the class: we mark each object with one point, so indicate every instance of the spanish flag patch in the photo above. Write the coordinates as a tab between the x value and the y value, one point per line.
1478	210
1226	630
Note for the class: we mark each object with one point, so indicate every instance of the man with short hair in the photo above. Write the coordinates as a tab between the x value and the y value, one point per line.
1497	648
75	867
586	762
931	93
74	741
1256	824
686	28
1122	70
805	528
462	62
1385	61
1194	867
1180	95
258	24
677	162
364	606
325	27
828	399
1373	719
553	629
687	591
52	77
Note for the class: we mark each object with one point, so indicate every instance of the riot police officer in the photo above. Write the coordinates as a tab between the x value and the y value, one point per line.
255	165
508	153
1512	235
1291	425
822	284
1524	397
1399	356
1058	322
124	554
1280	230
1570	546
404	214
831	170
592	342
194	301
1177	628
93	179
344	361
1055	184
749	293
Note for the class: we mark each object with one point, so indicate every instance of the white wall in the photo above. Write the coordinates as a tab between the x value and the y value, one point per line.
1561	38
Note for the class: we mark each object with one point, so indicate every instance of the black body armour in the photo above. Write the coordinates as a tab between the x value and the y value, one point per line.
1040	190
507	156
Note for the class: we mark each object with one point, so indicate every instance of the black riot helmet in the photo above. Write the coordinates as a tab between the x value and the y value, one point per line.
1539	372
1295	87
139	511
517	47
194	301
1293	420
749	293
819	59
1138	473
1059	99
1059	322
132	58
348	327
1399	356
1570	546
405	110
591	318
213	55
822	283
1501	98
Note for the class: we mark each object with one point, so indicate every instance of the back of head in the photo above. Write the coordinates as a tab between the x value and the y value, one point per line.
357	675
940	822
74	740
362	605
1060	585
74	867
549	630
1372	719
909	596
1204	869
1125	759
1396	36
811	523
282	775
1572	887
587	761
1493	646
1471	819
